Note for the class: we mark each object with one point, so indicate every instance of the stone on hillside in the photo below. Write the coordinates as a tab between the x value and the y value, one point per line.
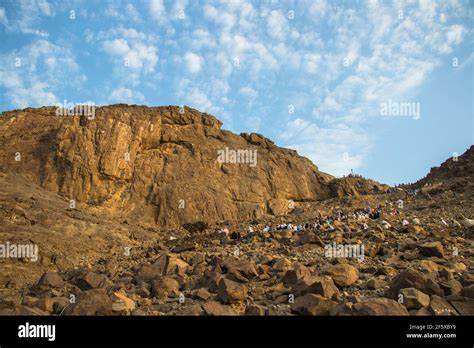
440	307
451	287
344	274
231	292
50	280
412	298
164	286
255	310
465	308
429	265
122	303
215	308
91	281
379	306
311	304
432	249
148	272
292	276
171	265
201	294
376	283
90	302
411	278
323	286
468	291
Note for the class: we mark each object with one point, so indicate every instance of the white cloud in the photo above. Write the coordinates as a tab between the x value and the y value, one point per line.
157	10
224	18
134	53
44	70
178	11
335	150
193	62
277	25
129	12
3	16
127	96
202	39
455	34
28	15
45	7
116	47
248	92
318	9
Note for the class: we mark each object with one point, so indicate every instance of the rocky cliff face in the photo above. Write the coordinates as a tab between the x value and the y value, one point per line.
157	165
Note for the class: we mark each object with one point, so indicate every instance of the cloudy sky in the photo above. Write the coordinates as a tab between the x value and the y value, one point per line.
310	75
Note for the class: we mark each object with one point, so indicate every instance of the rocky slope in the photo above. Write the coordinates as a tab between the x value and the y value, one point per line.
455	173
115	252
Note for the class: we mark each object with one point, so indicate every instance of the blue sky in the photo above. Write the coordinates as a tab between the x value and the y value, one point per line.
310	75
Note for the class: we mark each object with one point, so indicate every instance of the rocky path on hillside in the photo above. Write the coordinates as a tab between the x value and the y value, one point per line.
416	260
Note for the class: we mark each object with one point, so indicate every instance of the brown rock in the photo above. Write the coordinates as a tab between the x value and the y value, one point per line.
375	283
122	303
412	298
379	306
430	266
432	249
323	286
91	302
451	287
193	310
91	281
171	265
231	292
148	272
464	307
344	274
50	280
468	291
164	286
411	278
439	306
202	294
311	304
255	310
294	275
215	308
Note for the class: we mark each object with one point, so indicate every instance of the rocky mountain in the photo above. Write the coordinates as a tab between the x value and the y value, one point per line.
455	173
148	211
161	165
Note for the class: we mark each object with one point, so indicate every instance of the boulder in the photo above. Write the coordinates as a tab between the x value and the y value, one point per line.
90	302
292	276
231	292
412	298
91	281
411	278
379	306
440	307
432	249
215	308
122	303
311	304
50	280
344	274
164	286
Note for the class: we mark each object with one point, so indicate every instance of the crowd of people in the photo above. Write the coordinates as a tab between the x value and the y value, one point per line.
324	221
